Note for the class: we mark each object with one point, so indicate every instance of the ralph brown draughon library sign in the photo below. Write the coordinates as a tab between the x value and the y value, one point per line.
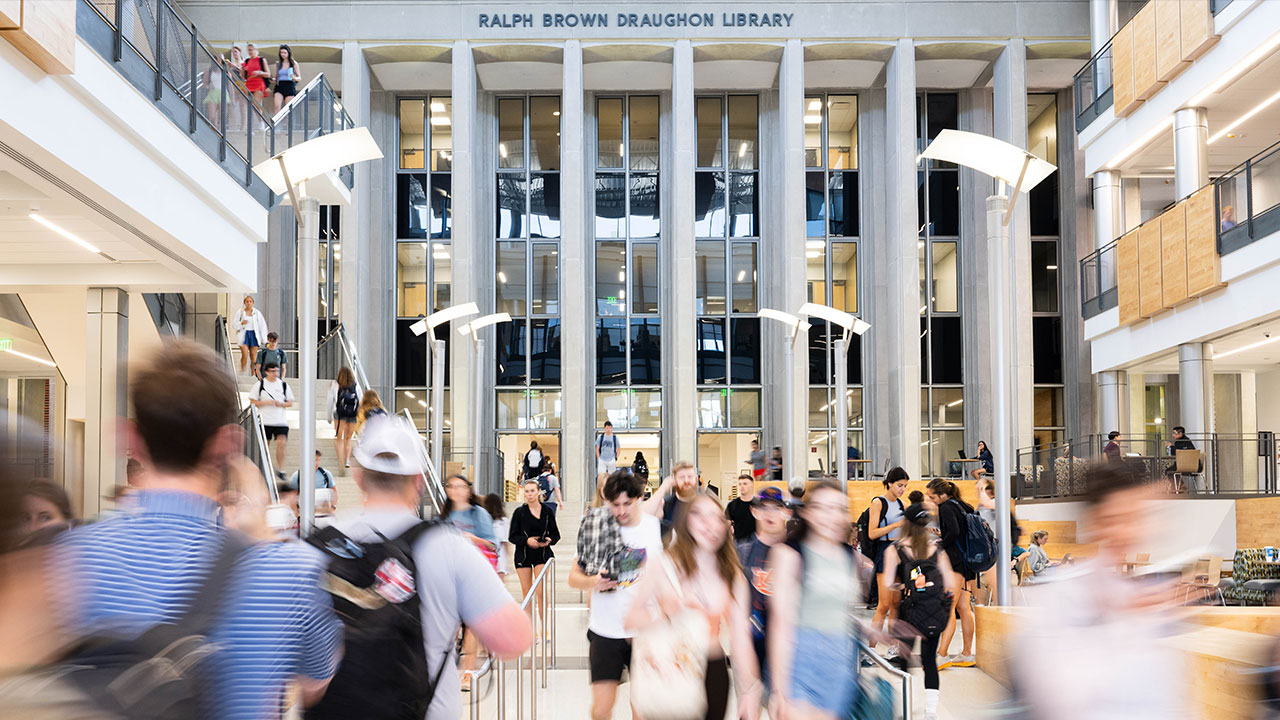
634	20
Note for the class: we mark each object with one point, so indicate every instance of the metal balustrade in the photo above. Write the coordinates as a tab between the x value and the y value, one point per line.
1098	287
546	648
1093	88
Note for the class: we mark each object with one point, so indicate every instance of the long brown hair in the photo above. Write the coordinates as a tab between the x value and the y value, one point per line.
940	486
682	548
368	403
919	537
346	378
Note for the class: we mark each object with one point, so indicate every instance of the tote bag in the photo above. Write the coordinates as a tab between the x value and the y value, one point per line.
669	663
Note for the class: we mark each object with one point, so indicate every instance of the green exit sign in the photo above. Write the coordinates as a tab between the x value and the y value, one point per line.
5	344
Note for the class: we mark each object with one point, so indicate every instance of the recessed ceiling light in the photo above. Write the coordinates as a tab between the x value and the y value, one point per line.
64	233
32	358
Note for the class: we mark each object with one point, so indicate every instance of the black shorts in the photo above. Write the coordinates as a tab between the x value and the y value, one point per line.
608	656
287	88
344	418
274	431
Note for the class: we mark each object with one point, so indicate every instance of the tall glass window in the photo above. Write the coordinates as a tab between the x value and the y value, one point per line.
424	221
1046	310
941	325
726	256
527	268
626	223
832	222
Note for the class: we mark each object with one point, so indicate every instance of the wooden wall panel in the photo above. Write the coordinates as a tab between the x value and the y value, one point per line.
1257	522
1196	21
1122	97
1204	266
1173	254
47	35
1127	277
1169	60
1145	80
1150	270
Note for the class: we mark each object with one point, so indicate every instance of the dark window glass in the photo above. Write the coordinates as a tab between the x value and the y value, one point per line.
844	204
943	112
646	352
819	374
1046	339
745	337
1044	276
611	278
944	202
441	205
1043	204
611	206
853	366
920	216
510	355
924	350
544	352
815	204
511	196
644	277
947	350
644	205
611	351
412	208
411	354
744	205
708	204
711	351
544	205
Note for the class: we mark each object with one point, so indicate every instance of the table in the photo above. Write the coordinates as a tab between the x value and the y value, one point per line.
963	472
857	468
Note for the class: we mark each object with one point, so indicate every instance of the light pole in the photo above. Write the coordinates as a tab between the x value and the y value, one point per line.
307	174
1010	165
849	325
428	325
473	329
797	327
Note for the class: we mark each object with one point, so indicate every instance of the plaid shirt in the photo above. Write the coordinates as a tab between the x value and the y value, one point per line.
599	542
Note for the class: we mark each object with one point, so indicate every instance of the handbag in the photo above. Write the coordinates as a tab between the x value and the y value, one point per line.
669	663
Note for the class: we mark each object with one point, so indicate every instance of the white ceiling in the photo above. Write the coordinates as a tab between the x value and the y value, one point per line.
1262	339
24	241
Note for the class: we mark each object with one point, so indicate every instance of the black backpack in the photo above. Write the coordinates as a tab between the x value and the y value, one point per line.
544	487
977	544
348	404
384	674
866	545
166	673
926	604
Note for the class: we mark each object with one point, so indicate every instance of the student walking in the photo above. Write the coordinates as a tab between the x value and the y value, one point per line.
758	462
256	76
533	532
288	75
549	485
403	663
271	354
952	526
929	585
741	519
886	518
501	529
607	448
462	510
532	464
345	406
771	515
370	407
272	397
250	328
701	574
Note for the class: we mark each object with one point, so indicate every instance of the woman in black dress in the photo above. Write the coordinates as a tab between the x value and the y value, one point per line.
533	532
952	525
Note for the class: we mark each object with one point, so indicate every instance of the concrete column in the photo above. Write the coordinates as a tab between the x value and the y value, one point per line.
1190	150
900	284
1113	391
1108	207
467	253
106	393
353	230
791	428
1010	123
578	422
1195	387
1248	426
680	396
1104	21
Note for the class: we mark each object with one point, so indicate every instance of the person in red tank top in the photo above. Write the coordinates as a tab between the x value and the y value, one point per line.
255	74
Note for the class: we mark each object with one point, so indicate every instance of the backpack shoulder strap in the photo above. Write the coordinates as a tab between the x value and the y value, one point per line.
200	616
884	509
901	508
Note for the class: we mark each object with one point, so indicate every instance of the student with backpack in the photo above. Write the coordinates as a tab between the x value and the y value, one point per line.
607	448
953	524
346	412
532	465
884	520
425	578
549	485
272	397
928	587
271	354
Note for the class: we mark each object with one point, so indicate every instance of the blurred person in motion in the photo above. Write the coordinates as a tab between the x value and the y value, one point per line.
618	544
945	495
886	518
400	658
1104	634
46	511
757	460
706	578
812	649
928	586
741	519
344	412
771	514
370	406
676	492
250	327
169	560
463	511
501	529
533	532
775	463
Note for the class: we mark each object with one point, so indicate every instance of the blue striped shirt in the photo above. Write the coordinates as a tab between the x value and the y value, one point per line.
145	565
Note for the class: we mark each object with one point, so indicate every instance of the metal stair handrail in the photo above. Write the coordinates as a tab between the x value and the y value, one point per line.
435	484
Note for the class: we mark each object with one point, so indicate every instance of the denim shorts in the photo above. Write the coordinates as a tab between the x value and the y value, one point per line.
823	670
250	339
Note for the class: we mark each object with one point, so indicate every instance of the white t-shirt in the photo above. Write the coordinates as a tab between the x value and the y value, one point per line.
609	609
276	390
501	530
534	457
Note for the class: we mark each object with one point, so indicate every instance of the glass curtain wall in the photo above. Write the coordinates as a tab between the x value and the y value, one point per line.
527	282
424	222
330	258
831	264
627	226
941	325
726	225
1046	310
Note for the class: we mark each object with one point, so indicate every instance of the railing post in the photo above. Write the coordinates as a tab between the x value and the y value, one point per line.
222	112
195	47
117	41
158	51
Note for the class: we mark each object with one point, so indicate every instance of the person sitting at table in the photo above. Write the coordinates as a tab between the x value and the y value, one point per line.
988	466
1037	559
1180	442
1112	449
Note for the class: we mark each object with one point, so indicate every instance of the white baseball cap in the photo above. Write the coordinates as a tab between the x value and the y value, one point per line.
388	445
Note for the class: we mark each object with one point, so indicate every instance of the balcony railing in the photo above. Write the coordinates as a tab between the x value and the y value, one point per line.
1093	88
1248	201
162	54
1098	281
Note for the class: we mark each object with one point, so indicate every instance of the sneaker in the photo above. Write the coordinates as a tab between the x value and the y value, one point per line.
891	653
946	661
867	662
965	661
